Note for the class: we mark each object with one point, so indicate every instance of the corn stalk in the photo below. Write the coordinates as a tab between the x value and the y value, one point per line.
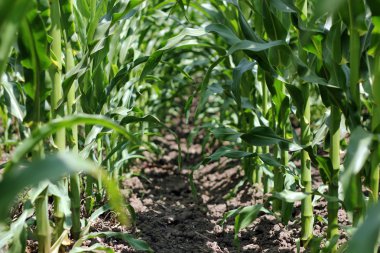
56	97
307	216
375	159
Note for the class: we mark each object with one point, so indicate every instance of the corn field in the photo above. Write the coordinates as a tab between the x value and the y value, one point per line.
169	120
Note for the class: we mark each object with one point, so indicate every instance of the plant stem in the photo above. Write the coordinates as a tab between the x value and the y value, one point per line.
43	226
306	207
41	203
247	162
355	99
279	177
264	108
74	190
333	206
375	169
60	136
375	159
286	207
89	195
74	194
278	205
354	64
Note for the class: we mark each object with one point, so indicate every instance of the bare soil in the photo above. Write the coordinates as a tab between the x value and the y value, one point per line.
171	219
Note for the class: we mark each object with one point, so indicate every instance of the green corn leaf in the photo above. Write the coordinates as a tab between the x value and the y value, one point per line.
66	122
101	210
246	216
284	6
152	62
224	32
154	120
354	10
15	234
174	42
366	236
14	107
135	243
237	74
58	243
297	98
228	152
225	133
229	214
262	136
325	168
374	6
31	174
289	196
273	25
326	6
97	247
68	24
12	14
358	152
34	41
247	30
270	160
254	46
203	87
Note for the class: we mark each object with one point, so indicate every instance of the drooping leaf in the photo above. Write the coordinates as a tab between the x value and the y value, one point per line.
223	31
65	122
229	153
51	168
225	133
262	136
135	243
